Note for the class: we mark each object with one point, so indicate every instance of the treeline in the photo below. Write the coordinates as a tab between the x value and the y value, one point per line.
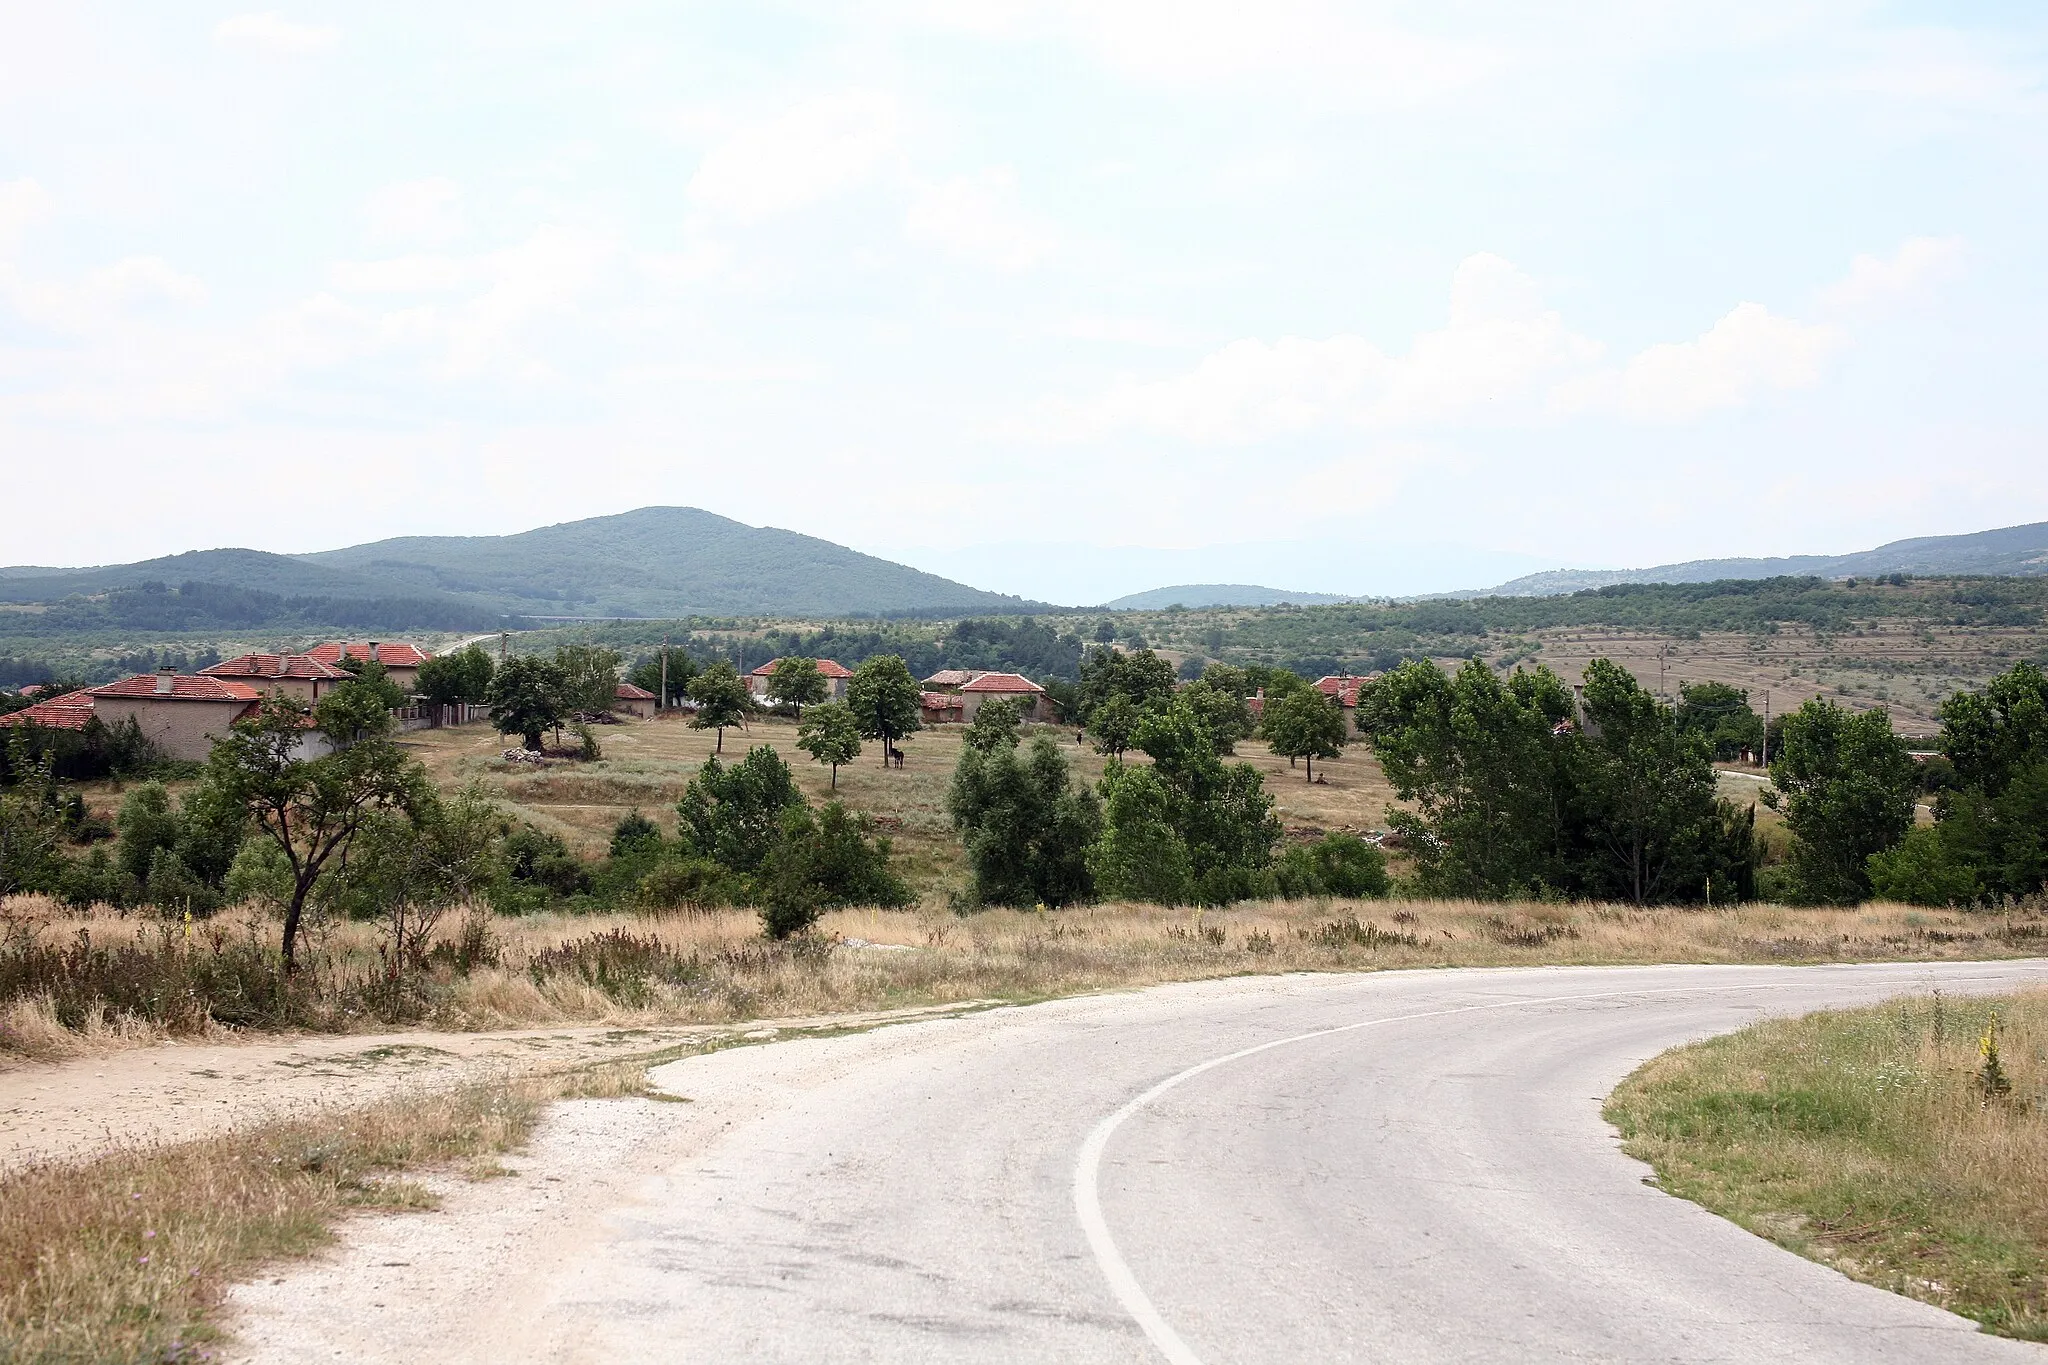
194	606
1366	633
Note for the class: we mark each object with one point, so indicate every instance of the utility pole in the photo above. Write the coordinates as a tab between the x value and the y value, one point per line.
504	644
1767	728
1663	655
664	672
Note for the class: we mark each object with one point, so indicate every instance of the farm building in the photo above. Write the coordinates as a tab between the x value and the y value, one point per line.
401	661
951	679
68	712
942	708
1342	688
1028	695
181	714
295	675
834	673
628	700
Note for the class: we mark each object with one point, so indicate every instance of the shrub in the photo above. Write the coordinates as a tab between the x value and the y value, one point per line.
623	965
1334	865
695	883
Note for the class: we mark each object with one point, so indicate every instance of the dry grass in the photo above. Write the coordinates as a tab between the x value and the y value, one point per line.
124	1258
716	967
648	762
1862	1138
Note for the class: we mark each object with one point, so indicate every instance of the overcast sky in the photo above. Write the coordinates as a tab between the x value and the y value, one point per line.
1067	299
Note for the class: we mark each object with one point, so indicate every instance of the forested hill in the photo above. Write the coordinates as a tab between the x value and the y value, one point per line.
660	561
2017	551
1219	595
657	561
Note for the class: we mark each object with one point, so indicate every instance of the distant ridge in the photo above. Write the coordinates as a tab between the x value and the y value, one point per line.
2017	551
656	561
1221	595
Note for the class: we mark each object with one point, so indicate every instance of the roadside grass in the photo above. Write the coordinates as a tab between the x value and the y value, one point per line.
74	984
1865	1140
123	1259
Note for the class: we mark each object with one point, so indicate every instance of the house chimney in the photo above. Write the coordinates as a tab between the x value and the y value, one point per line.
373	652
166	679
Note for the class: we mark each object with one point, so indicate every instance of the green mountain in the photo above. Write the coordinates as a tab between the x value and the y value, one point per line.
654	562
2012	552
1220	595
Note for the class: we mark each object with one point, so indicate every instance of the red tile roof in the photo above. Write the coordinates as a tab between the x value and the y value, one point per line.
831	668
1002	682
1343	686
952	677
68	712
392	654
184	687
274	666
941	701
629	692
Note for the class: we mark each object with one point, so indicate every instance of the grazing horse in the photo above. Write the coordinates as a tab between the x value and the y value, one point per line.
891	754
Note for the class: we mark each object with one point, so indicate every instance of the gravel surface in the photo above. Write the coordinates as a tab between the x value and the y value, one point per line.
1398	1166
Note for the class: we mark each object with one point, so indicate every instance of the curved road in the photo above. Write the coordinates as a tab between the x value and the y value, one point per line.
1388	1167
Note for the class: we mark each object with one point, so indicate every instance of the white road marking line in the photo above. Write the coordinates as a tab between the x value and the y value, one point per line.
1087	1166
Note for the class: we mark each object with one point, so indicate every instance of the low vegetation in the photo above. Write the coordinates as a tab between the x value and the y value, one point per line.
125	1258
1902	1144
72	984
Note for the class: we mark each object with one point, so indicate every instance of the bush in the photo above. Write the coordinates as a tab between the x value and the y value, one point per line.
694	883
538	858
1922	870
1334	865
834	858
623	965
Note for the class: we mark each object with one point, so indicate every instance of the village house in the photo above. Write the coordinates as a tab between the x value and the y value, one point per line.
628	700
834	673
942	708
1029	696
401	661
181	714
67	712
1342	688
951	679
295	675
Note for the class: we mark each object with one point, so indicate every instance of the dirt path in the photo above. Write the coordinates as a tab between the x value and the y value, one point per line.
176	1091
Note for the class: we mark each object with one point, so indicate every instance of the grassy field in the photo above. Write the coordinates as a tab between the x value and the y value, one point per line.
1865	1139
647	763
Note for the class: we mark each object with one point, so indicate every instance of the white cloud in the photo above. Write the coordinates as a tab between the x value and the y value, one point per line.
271	32
1912	270
1503	359
1491	361
1318	46
977	218
144	280
1749	352
22	203
808	152
428	211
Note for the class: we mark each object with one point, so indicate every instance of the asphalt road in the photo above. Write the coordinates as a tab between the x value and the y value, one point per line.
1391	1167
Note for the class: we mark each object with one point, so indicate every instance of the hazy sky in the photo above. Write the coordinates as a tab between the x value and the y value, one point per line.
1066	298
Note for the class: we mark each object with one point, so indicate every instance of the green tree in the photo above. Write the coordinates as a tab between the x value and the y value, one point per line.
31	822
1720	714
526	699
1224	712
722	699
797	683
647	674
311	809
994	727
146	824
885	700
1026	826
461	677
831	858
1304	724
1139	675
1483	760
1655	820
1847	786
1141	854
733	815
1112	723
830	735
376	680
1990	736
589	678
